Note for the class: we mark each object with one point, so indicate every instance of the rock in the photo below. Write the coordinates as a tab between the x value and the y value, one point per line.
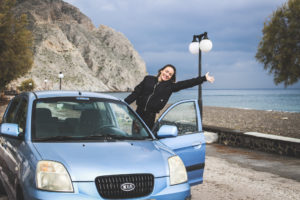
210	137
91	59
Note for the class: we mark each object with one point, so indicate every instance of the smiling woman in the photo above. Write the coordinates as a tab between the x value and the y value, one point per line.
153	93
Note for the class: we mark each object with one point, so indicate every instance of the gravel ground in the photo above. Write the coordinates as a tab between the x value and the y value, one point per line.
269	122
226	180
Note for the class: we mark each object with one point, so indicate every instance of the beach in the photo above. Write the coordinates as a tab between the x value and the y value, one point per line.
270	122
270	111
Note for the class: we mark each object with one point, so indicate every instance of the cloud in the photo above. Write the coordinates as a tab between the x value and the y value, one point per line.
161	31
108	7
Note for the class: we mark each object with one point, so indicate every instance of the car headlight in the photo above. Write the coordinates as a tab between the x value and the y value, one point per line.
177	170
53	176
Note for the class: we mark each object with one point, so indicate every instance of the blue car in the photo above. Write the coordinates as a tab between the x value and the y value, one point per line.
81	145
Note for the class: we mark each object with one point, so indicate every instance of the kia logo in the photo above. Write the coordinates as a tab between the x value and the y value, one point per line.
127	187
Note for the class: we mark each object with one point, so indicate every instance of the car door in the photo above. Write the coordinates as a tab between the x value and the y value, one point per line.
190	142
9	146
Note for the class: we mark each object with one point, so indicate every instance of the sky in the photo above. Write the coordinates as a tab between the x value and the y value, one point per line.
161	31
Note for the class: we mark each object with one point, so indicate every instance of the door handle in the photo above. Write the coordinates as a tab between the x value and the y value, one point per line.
197	145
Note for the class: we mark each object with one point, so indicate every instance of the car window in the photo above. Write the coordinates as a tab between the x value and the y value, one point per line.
20	117
126	121
84	118
12	110
183	116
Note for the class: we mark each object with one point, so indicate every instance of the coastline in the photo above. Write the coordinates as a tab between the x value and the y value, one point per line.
281	100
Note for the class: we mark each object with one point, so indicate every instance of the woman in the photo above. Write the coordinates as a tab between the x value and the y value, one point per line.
153	93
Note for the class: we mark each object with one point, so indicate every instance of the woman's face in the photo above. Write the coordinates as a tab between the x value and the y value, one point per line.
166	74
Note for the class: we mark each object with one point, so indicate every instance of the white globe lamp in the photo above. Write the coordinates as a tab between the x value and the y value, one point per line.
205	45
194	47
60	75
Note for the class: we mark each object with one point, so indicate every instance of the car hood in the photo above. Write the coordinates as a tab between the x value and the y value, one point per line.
86	161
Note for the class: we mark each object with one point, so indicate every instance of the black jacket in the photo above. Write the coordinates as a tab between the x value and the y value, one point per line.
151	95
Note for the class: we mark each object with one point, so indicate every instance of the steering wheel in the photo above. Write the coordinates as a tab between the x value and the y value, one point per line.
110	129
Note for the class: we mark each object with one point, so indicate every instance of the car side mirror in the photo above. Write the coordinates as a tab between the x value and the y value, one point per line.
10	129
167	131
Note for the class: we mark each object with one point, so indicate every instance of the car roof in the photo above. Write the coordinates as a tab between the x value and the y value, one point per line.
59	93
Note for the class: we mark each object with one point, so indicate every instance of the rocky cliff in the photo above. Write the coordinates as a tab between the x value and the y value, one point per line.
65	40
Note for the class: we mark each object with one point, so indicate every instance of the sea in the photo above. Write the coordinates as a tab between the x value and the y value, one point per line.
285	100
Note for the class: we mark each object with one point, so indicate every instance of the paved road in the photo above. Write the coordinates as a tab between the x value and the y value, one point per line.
287	167
235	173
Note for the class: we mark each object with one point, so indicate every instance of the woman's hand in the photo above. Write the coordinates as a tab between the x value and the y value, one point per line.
209	78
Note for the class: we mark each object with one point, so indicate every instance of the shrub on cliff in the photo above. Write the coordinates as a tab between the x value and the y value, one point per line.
16	56
27	85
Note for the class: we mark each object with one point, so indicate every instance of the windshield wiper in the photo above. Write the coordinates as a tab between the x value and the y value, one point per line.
114	137
139	138
56	138
106	137
68	138
101	137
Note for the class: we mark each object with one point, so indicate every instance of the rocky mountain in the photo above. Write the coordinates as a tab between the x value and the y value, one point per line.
65	40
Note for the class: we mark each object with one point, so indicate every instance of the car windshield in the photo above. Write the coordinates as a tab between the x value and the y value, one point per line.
59	119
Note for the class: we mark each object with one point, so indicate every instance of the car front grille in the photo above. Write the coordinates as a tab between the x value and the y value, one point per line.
125	186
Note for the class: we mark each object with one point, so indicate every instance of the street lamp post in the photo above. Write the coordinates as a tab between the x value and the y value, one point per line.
45	81
200	43
60	76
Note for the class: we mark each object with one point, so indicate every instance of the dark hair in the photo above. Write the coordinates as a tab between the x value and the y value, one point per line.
173	78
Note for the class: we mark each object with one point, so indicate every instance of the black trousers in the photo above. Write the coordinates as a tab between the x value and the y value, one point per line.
147	116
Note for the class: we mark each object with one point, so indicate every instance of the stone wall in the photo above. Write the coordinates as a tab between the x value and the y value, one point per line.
256	141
